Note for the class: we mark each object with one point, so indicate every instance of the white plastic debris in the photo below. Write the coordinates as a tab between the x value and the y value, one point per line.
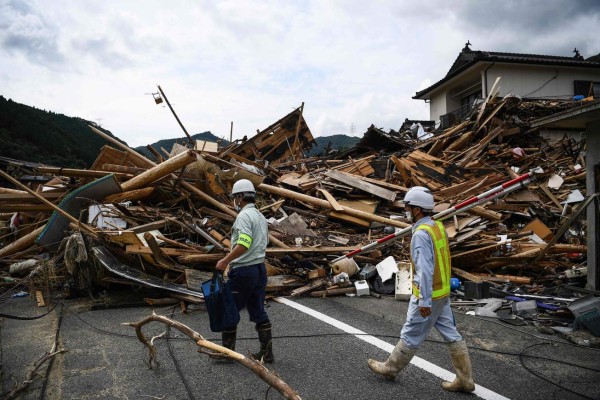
387	268
555	182
105	216
574	197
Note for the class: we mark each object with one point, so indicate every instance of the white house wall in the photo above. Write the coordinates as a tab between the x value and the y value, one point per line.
537	81
437	106
531	81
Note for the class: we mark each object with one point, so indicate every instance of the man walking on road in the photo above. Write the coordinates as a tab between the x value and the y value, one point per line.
429	304
247	273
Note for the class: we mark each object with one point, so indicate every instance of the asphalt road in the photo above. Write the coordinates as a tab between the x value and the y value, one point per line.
106	361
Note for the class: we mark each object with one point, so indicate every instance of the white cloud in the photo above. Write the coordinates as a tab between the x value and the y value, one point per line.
252	62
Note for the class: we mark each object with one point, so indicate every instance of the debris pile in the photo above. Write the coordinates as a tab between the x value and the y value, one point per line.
164	223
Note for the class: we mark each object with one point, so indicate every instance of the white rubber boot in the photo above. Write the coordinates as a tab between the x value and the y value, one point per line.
462	366
400	357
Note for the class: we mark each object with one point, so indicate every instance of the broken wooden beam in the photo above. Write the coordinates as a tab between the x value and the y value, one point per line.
325	204
356	183
159	171
21	244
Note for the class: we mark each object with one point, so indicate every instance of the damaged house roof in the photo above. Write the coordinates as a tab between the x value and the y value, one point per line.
467	58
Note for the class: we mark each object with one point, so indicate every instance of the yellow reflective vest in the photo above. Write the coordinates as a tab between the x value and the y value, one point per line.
441	257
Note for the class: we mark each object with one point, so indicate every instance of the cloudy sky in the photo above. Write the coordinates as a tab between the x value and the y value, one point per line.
353	62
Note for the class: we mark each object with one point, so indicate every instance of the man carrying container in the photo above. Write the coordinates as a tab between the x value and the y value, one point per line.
247	273
429	304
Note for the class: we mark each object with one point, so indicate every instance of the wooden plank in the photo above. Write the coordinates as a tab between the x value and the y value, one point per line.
539	228
467	235
438	145
488	214
220	238
26	196
384	184
169	251
313	285
490	95
40	298
461	142
370	188
401	169
463	222
80	173
366	206
482	144
149	226
130	195
297	180
520	280
334	204
283	282
274	206
161	258
547	192
466	275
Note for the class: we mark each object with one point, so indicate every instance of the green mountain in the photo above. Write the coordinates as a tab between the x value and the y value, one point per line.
167	144
338	142
31	134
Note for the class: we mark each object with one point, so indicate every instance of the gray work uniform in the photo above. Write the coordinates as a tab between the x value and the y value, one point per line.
247	273
250	229
416	328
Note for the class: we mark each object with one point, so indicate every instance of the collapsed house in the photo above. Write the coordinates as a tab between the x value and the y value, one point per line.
164	223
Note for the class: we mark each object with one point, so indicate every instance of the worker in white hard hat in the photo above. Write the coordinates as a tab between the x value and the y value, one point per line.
247	272
429	304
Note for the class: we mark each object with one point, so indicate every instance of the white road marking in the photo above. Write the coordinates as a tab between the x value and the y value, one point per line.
425	365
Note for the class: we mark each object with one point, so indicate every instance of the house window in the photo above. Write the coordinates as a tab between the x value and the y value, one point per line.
587	88
470	99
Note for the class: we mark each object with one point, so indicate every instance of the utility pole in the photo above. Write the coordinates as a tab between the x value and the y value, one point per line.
231	133
192	143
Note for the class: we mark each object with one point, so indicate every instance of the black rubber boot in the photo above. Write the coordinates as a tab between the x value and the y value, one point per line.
228	338
265	354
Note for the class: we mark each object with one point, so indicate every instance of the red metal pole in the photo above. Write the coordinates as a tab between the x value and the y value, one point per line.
491	194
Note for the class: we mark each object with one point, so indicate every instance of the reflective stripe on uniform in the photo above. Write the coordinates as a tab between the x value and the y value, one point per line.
441	256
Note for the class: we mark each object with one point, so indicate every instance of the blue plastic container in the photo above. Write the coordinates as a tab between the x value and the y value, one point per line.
454	284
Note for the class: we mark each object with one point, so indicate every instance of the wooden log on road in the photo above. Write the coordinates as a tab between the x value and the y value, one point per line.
214	350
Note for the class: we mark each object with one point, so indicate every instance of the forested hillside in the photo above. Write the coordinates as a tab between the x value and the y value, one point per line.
31	134
338	142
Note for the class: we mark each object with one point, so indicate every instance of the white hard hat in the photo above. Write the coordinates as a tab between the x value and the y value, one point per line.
243	186
419	196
